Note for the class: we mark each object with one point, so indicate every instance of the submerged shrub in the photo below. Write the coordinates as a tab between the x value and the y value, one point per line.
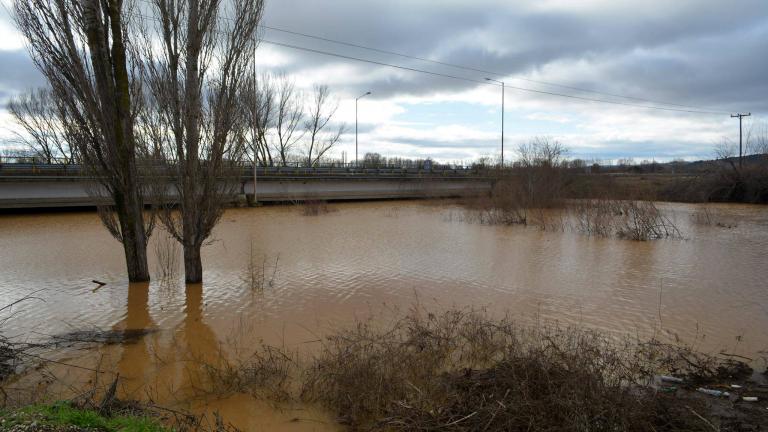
634	220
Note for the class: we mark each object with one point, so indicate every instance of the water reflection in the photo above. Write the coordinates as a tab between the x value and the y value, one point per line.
134	361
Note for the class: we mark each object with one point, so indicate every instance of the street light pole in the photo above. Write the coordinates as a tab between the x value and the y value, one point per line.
357	99
502	117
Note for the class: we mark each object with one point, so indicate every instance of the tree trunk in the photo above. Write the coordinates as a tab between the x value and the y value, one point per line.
134	239
193	264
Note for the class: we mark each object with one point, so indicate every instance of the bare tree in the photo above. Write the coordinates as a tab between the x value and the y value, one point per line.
321	140
288	118
542	152
82	47
44	122
541	161
258	97
194	82
757	138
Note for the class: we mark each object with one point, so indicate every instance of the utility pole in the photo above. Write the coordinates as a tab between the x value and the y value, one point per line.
740	116
357	99
502	118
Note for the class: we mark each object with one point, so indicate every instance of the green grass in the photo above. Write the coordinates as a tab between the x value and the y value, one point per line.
62	414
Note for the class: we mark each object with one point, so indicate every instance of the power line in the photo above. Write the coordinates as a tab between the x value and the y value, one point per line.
297	47
469	68
482	82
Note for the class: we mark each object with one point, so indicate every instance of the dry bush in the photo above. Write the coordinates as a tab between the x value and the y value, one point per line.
266	374
634	220
696	368
167	255
723	181
462	370
528	198
706	217
12	353
8	358
594	217
642	220
504	206
260	274
314	208
748	184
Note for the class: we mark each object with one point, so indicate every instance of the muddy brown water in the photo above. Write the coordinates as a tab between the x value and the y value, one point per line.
376	260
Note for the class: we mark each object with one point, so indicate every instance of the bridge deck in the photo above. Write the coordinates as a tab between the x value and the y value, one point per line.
54	186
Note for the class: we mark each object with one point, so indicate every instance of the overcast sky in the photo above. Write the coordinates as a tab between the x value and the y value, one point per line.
709	54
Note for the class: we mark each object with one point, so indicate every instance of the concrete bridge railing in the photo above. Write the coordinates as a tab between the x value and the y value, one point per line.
39	186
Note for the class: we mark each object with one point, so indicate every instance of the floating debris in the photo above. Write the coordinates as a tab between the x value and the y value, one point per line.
667	378
711	392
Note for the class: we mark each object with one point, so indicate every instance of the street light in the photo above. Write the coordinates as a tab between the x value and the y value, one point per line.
502	117
357	99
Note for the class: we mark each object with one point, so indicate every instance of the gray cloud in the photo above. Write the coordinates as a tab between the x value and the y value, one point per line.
693	52
17	73
699	52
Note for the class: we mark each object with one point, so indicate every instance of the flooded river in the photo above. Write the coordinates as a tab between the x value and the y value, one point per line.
365	260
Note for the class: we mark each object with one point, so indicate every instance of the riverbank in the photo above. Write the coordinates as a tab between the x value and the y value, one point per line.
460	370
64	417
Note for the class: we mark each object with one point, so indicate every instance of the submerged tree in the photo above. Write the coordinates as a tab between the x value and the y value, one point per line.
194	83
82	47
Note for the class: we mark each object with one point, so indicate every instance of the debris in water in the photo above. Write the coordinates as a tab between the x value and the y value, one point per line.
99	283
716	393
671	379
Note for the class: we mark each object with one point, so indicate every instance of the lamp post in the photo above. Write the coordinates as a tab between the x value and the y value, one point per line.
357	99
502	117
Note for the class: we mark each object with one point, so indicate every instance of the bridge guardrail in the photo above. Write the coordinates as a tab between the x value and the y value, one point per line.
75	171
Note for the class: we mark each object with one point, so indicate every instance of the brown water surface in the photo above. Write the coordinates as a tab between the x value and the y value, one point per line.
371	259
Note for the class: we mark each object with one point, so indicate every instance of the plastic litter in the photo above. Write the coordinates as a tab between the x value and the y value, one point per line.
749	399
735	386
716	393
671	379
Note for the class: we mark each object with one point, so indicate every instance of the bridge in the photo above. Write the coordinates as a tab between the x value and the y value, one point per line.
24	185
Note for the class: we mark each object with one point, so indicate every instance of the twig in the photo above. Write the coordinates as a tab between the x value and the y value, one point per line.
715	428
460	420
